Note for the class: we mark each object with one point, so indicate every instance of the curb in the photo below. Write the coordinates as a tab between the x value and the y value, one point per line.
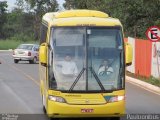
143	84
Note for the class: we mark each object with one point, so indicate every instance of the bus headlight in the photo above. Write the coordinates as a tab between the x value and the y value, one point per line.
57	99
111	99
116	98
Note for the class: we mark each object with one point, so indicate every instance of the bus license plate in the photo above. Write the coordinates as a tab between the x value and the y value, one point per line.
87	110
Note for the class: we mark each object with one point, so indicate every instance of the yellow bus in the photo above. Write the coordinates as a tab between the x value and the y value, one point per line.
82	64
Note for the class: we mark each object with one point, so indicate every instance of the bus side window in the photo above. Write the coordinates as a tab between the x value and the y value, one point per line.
43	34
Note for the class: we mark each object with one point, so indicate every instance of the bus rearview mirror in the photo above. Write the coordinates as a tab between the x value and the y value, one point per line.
128	53
43	54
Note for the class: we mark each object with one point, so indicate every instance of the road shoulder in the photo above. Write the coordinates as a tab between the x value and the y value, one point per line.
144	85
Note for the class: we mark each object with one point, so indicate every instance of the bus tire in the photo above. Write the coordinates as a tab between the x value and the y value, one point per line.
44	109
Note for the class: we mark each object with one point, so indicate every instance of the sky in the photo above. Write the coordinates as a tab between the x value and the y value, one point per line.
11	3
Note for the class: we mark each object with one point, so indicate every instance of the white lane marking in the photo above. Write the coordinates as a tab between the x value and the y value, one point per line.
143	87
8	89
23	73
26	75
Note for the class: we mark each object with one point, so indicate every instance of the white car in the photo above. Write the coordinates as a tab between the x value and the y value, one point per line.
26	52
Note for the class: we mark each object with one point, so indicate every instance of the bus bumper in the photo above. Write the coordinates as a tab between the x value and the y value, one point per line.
59	110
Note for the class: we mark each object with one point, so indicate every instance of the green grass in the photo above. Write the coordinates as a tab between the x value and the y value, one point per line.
11	44
152	80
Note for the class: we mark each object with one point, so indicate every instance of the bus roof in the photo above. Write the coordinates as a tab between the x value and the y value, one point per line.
79	18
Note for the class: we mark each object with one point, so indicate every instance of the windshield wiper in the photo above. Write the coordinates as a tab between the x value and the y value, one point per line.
97	79
76	80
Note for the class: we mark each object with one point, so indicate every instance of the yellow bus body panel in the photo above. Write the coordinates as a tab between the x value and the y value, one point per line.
104	109
81	13
86	21
101	108
80	18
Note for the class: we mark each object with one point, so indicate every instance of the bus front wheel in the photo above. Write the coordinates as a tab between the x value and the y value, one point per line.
44	108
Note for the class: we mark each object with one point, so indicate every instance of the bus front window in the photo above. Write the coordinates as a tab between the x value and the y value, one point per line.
68	57
86	59
104	60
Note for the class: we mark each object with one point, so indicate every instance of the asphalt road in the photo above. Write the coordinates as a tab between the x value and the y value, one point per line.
19	90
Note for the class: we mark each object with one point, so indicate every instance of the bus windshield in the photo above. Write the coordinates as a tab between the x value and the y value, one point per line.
86	59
